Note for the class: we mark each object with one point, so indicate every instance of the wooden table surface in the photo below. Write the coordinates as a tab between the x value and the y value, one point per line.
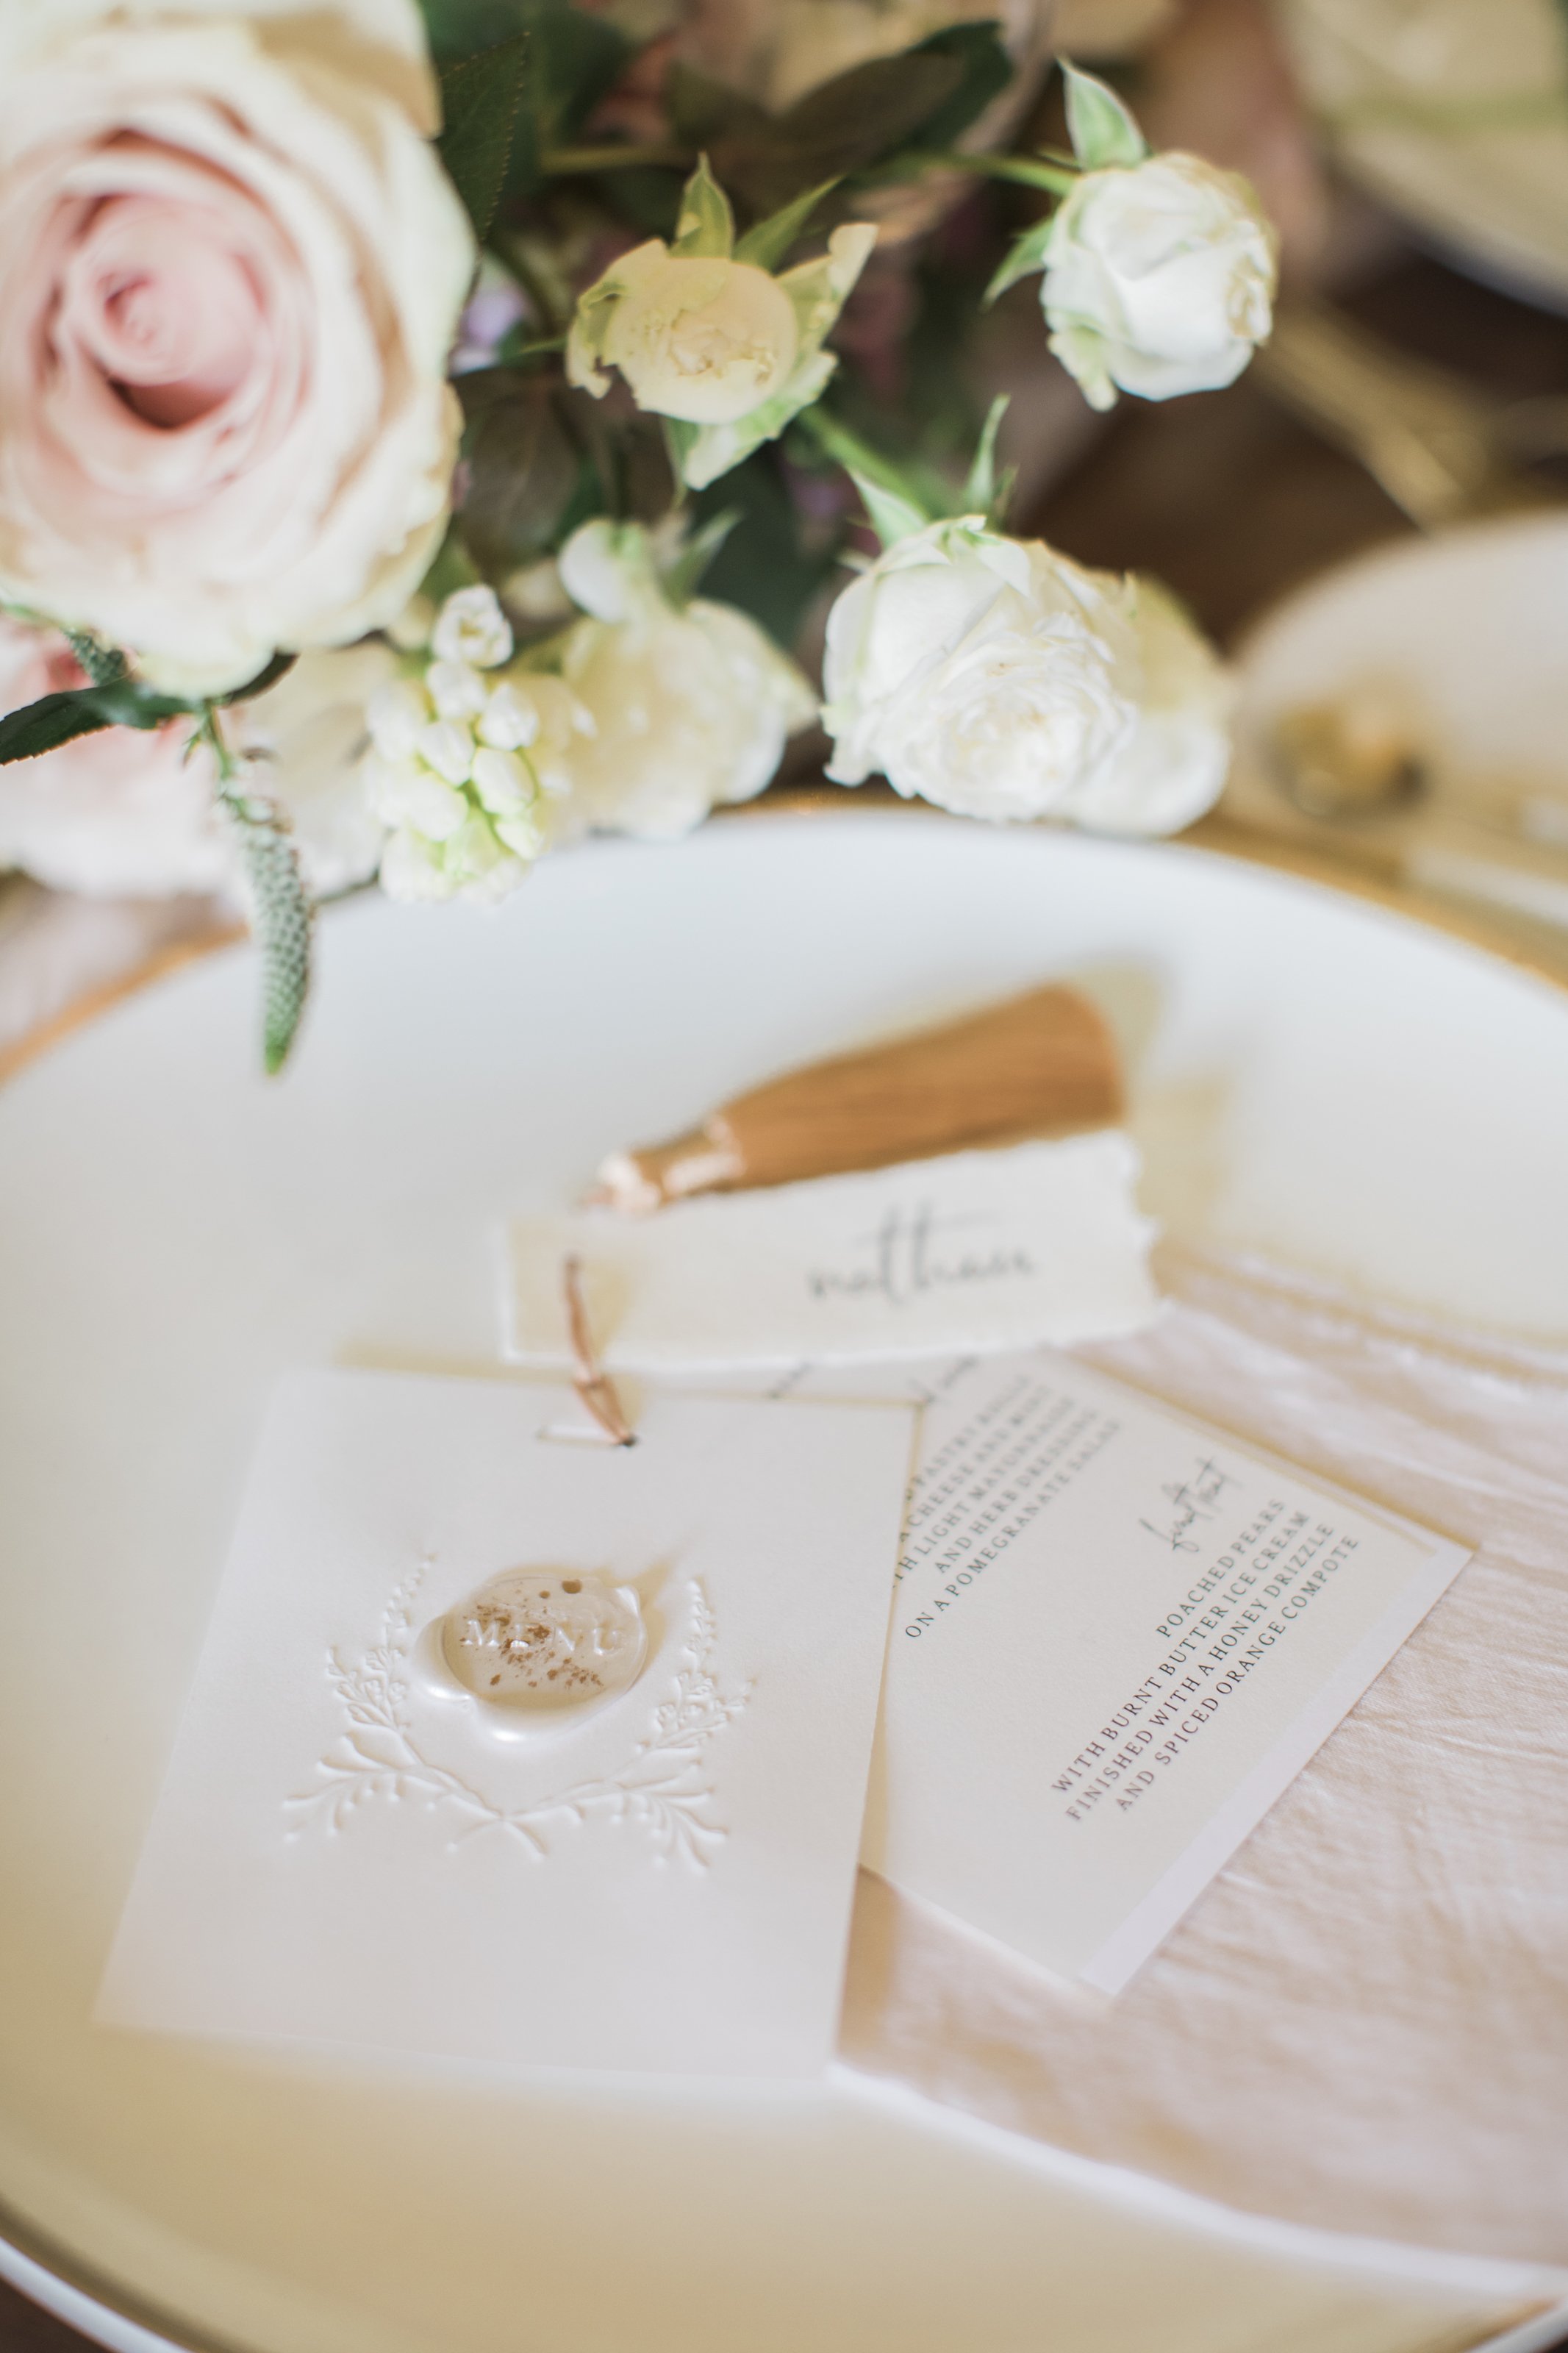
1233	502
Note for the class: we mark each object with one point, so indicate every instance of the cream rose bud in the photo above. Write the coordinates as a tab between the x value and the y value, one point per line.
1159	278
993	677
230	270
707	337
708	341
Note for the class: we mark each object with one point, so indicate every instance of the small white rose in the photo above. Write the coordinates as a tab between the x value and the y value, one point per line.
471	628
1159	278
996	679
707	336
684	709
707	341
1175	765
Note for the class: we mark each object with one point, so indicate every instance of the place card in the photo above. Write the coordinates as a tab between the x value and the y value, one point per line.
1118	1635
976	1251
512	1747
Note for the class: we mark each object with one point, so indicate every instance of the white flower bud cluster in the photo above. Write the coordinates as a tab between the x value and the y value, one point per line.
466	763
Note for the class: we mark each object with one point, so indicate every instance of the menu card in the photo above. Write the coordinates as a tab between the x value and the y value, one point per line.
1118	1635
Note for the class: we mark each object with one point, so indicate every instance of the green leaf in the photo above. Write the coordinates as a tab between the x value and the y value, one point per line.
984	71
706	225
1103	131
842	125
1029	252
53	720
480	100
895	500
680	581
521	465
103	664
702	112
279	919
57	719
267	675
767	244
980	488
574	59
774	563
892	516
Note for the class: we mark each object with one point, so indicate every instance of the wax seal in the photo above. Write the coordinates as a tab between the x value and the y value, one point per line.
539	1643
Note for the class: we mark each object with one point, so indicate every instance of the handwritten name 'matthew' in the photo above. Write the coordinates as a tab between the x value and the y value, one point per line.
905	1259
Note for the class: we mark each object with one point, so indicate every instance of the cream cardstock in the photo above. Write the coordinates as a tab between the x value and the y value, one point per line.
659	1883
1118	1635
978	1250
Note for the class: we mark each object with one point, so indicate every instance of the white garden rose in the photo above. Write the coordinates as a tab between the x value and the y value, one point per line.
689	707
708	341
996	679
1159	278
230	270
130	813
709	338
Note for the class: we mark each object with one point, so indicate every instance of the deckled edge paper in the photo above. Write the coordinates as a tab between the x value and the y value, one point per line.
976	1252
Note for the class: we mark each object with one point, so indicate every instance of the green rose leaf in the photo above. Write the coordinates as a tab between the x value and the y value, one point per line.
1029	253
892	515
1104	133
767	566
103	664
898	501
57	719
767	244
269	675
522	468
706	227
480	102
984	70
985	491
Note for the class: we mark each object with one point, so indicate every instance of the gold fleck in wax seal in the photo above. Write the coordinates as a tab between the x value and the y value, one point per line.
544	1640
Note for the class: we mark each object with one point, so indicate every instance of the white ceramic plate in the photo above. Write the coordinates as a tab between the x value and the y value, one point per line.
1454	113
1461	639
1312	1076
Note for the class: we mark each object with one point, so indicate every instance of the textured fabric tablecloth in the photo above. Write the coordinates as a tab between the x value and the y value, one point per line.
1364	2023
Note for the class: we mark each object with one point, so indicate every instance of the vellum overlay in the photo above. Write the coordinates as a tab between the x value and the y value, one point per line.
521	1748
1118	1635
975	1250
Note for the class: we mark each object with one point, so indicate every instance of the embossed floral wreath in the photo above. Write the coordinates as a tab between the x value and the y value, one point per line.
375	394
379	1757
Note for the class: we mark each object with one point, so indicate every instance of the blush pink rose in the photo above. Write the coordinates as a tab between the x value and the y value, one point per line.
130	813
230	270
